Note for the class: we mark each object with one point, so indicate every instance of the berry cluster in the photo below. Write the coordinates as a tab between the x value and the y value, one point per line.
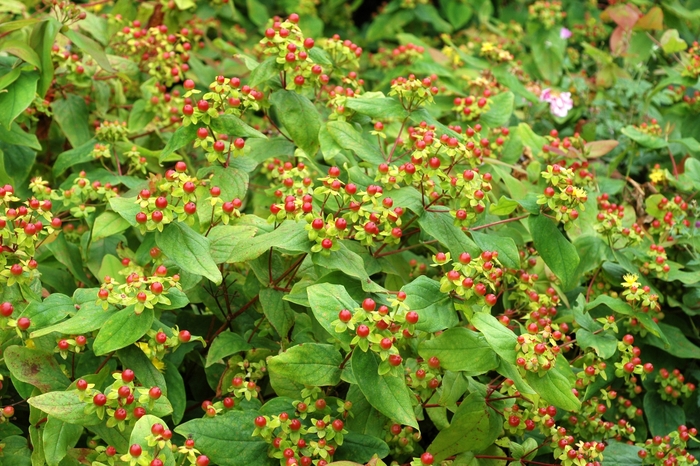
669	450
344	53
610	223
285	41
673	386
379	328
547	13
472	278
401	55
412	92
225	96
402	440
562	196
691	61
472	107
164	54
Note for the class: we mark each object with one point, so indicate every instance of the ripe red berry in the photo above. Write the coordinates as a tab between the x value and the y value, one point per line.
154	393
369	305
6	309
362	331
23	323
412	317
260	422
135	450
184	336
426	458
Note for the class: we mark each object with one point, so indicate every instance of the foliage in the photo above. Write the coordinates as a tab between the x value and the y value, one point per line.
458	233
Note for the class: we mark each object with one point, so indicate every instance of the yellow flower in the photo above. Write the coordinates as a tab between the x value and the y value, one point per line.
657	175
630	280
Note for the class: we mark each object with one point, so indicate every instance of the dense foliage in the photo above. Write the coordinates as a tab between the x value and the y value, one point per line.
460	232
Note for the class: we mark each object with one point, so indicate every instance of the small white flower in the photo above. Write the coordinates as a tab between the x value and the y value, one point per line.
559	102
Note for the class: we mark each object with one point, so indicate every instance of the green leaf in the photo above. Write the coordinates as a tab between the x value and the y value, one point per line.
691	144
289	236
9	77
365	418
388	24
359	447
122	329
224	345
17	136
277	310
555	385
219	436
53	309
388	393
440	226
556	251
680	347
299	117
501	108
350	264
108	224
22	50
235	127
645	140
460	349
604	344
90	317
311	364
504	206
127	207
139	117
257	12
146	373
662	416
140	434
64	406
326	301
376	105
435	309
91	48
189	250
20	94
469	430
232	181
263	72
41	40
35	367
621	454
349	138
68	254
505	246
671	42
501	338
621	307
226	238
71	113
74	156
456	12
182	137
58	437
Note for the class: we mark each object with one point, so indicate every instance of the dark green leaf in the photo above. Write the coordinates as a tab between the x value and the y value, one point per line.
311	364
290	236
264	72
501	338
375	105
219	436
91	48
662	416
501	108
469	430
556	251
359	447
326	301
555	385
299	117
64	406
58	437
189	250
621	454
139	117
644	139
17	136
387	393
679	346
68	254
277	311
20	94
441	227
41	40
435	309
53	309
90	317
224	345
505	246
35	367
349	138
146	373
122	329
234	127
74	156
460	349
107	224
71	114
182	137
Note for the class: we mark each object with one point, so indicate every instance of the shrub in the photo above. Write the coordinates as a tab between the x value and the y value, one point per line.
462	233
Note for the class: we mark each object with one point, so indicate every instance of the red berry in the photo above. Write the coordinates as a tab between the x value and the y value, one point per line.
135	450
23	323
260	422
369	305
362	331
426	458
154	393
184	336
412	317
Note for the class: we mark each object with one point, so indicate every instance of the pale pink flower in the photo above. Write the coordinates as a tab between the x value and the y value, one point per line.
559	102
564	33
